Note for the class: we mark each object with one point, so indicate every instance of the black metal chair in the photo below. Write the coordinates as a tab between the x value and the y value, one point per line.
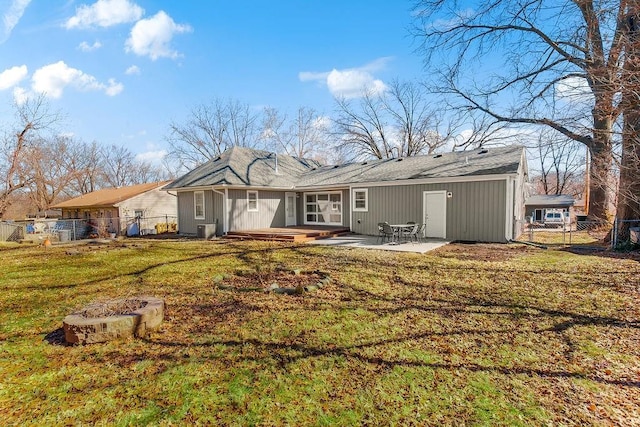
389	233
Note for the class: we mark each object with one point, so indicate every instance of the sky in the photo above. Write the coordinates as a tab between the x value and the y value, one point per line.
122	70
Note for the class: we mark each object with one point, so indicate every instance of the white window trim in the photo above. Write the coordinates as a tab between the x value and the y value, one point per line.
248	201
195	204
366	199
328	194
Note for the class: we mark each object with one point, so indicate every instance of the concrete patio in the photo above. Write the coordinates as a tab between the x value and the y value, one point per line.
371	242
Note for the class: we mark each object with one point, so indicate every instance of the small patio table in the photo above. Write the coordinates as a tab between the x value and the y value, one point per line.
400	229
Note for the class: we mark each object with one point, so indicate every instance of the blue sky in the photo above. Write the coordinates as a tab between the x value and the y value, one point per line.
122	70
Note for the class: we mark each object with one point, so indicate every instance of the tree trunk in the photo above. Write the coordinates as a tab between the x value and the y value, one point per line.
629	186
601	181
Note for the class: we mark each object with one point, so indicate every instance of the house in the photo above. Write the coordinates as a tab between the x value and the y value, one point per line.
115	208
536	206
475	195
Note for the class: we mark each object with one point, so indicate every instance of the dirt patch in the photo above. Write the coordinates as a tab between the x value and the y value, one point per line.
484	251
255	281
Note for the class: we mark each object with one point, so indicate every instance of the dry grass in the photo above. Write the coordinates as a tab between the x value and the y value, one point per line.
465	335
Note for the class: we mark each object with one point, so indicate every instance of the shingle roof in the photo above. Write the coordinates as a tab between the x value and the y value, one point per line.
493	161
241	166
550	200
108	196
246	167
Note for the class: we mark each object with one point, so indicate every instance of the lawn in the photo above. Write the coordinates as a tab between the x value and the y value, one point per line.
464	335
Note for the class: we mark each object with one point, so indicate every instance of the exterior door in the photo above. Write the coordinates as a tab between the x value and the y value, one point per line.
290	209
434	212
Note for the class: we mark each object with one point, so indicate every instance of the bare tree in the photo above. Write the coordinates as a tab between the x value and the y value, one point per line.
574	49
629	166
211	129
560	168
414	124
120	168
403	121
362	129
85	162
302	136
50	176
33	118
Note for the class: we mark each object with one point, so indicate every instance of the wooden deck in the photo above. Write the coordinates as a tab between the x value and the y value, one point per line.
301	233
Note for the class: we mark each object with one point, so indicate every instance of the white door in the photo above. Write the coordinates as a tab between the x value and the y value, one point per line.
434	212
290	209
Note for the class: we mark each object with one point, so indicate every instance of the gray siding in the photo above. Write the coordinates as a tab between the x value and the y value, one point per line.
213	211
476	211
270	210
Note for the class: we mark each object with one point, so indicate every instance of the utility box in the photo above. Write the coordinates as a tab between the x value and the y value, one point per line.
206	231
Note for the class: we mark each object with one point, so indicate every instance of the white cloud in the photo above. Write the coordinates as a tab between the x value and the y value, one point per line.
113	88
52	79
574	89
86	47
134	69
152	37
11	17
105	13
12	76
151	156
350	82
20	95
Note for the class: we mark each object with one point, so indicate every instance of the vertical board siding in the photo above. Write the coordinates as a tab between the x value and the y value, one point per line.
213	210
476	211
271	210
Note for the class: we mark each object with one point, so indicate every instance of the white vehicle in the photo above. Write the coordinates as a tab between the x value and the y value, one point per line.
556	217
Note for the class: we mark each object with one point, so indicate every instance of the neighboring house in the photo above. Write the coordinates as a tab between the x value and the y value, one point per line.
474	195
115	207
537	205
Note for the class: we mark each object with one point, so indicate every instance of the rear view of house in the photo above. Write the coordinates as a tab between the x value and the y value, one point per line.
475	195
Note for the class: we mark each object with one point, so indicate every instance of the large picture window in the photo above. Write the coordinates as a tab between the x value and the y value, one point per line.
323	208
198	202
360	200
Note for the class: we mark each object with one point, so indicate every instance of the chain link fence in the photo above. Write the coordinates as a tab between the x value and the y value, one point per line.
63	230
621	234
583	233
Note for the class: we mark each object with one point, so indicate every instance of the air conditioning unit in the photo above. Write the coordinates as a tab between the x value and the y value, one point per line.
206	231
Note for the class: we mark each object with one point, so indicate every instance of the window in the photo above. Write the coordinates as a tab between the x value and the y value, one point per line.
138	214
360	200
323	208
198	201
252	201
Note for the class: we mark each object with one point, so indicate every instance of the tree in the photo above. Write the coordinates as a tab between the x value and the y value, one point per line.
33	117
47	166
560	166
302	136
121	169
543	48
394	123
85	162
629	188
211	129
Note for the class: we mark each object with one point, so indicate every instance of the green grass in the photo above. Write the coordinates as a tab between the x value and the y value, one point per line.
465	335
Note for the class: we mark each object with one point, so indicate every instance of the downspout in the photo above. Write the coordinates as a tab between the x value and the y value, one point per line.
224	209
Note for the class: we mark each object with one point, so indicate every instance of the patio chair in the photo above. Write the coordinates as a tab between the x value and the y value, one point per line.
389	233
381	234
416	233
